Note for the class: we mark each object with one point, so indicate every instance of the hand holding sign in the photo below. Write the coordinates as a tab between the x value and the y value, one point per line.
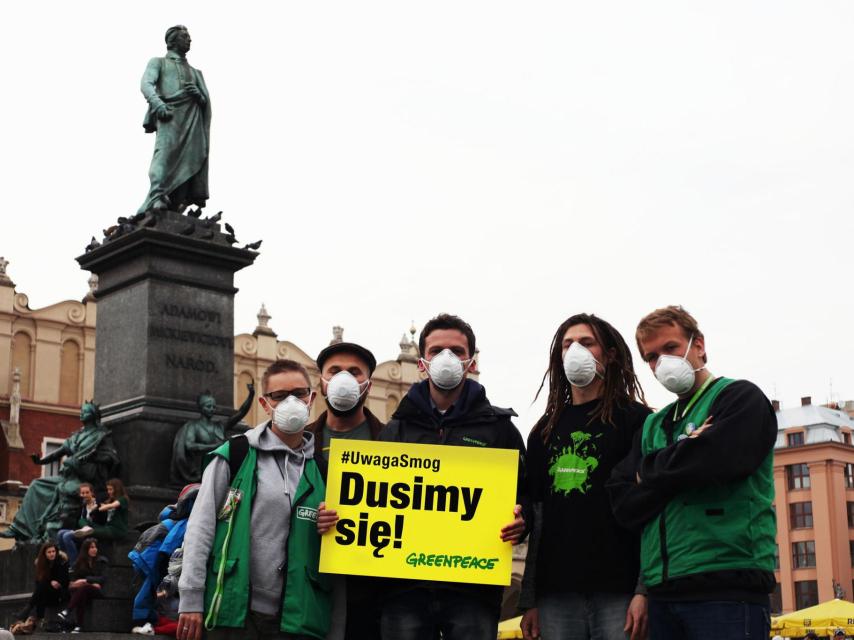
513	532
326	518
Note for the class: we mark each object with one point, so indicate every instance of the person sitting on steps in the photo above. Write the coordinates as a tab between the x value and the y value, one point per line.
87	581
51	588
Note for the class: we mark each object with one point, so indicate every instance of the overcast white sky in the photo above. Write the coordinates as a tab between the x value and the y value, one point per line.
513	163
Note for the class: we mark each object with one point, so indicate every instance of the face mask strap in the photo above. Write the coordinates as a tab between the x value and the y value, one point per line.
685	357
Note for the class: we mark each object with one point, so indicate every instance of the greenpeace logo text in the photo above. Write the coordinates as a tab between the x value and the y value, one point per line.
307	513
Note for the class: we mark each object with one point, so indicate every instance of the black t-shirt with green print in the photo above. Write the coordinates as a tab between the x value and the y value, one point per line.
582	548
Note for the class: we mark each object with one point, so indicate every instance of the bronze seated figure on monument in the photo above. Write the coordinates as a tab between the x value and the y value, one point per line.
196	438
89	456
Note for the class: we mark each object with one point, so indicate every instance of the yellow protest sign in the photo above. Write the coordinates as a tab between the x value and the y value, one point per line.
419	511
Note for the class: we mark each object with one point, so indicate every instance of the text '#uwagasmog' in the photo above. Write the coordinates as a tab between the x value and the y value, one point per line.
402	461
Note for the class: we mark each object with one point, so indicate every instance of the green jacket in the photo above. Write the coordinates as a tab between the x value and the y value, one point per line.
710	528
307	598
116	527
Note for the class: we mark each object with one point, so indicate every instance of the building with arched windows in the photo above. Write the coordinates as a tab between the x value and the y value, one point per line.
47	369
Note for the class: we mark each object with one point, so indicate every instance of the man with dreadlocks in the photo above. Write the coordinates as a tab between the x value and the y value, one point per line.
582	568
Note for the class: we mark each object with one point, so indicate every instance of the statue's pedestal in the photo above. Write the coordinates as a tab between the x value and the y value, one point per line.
165	334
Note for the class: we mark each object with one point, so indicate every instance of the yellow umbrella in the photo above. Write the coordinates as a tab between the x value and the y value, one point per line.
823	618
511	628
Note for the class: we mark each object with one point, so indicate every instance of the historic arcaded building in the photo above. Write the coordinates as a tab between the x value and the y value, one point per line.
47	368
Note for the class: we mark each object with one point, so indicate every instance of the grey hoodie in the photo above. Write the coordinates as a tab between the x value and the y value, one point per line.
279	469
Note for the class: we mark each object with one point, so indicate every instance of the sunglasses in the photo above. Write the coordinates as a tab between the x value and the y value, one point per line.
277	396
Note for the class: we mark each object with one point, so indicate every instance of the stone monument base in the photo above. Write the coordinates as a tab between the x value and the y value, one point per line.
165	332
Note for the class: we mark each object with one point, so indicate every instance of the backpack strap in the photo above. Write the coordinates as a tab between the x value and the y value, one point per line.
238	447
322	466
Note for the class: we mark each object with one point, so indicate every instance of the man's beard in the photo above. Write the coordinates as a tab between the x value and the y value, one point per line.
349	412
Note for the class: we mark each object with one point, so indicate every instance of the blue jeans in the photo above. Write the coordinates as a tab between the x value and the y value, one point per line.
583	616
422	613
708	621
66	542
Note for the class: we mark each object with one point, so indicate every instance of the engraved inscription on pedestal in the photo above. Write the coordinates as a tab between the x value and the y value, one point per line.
191	346
191	342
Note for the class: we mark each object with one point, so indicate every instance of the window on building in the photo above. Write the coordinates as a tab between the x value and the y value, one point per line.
800	515
799	476
795	439
48	447
803	554
22	347
777	599
776	556
69	373
806	593
849	476
850	506
846	437
851	551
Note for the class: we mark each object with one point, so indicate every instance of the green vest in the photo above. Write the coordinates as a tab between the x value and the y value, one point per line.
307	596
711	528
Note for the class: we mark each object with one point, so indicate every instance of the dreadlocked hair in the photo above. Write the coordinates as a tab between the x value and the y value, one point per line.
621	385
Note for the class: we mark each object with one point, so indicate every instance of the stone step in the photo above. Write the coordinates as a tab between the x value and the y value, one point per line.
116	551
18	569
105	614
9	606
108	614
111	612
119	583
95	635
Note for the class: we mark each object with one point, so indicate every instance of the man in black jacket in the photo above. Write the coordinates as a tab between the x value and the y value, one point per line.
449	409
698	484
345	381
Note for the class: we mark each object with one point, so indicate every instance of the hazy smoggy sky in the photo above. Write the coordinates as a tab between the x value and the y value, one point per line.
513	163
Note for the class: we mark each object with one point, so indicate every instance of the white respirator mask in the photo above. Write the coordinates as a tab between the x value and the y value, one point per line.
446	370
675	373
291	415
343	390
579	365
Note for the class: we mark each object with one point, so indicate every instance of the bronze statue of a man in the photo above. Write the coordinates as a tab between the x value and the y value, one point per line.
179	110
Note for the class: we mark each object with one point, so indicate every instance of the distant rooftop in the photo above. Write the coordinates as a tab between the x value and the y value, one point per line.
810	415
820	423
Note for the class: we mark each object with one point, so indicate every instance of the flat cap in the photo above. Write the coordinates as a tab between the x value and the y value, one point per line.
347	347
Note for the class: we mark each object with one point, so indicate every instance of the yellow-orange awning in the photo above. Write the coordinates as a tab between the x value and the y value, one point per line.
823	618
